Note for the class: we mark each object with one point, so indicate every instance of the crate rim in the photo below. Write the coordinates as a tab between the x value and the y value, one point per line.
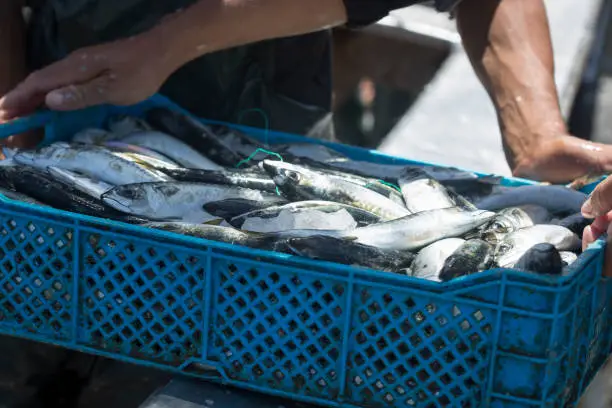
46	119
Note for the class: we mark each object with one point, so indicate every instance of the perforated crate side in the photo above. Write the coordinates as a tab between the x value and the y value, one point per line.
141	298
36	276
278	327
409	348
543	359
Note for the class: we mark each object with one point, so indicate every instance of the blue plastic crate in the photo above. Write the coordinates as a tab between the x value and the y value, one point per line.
307	330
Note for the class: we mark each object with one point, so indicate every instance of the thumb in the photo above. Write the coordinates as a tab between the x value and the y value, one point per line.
600	200
80	96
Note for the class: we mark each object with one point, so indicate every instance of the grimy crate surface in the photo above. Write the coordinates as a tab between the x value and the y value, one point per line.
313	331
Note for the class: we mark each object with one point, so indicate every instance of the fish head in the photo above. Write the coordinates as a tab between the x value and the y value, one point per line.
128	198
482	215
284	172
289	177
541	258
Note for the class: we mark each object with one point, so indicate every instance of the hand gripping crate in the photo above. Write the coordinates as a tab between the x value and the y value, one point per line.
312	331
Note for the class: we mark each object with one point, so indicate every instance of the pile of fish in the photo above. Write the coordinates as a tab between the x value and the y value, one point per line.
170	172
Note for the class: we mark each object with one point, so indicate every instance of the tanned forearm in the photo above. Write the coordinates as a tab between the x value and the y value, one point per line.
212	25
12	45
508	43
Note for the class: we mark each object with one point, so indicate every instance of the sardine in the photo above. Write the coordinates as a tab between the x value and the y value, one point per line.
542	259
472	256
126	147
515	218
575	223
210	232
195	134
556	199
371	184
298	183
43	187
514	245
239	178
350	253
422	193
286	220
187	202
362	217
430	260
85	184
150	163
416	231
97	163
178	151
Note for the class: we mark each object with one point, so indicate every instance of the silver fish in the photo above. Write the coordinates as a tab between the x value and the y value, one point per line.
371	184
194	133
85	184
350	253
178	151
97	163
130	148
541	259
298	183
422	193
210	232
361	216
187	202
514	245
472	256
556	199
510	220
151	163
231	177
419	230
287	220
429	261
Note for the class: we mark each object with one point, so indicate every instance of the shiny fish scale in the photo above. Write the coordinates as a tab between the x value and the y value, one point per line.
96	162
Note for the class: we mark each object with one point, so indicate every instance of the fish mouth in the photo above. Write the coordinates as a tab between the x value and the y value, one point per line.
271	166
23	157
117	203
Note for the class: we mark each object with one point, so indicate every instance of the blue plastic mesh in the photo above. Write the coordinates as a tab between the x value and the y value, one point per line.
312	331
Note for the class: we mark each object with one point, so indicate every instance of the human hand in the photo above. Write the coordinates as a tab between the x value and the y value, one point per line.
123	72
562	159
599	207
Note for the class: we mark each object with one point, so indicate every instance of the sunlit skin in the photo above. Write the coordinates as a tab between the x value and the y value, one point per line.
508	43
599	208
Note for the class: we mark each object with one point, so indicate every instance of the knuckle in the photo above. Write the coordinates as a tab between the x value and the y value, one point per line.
33	77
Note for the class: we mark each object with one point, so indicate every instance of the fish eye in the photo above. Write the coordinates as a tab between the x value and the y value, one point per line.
292	175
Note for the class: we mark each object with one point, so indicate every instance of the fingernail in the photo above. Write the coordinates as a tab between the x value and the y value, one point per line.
55	98
587	209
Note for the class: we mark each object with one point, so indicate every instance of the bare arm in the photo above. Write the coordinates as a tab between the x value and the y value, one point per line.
12	45
509	45
130	70
210	26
